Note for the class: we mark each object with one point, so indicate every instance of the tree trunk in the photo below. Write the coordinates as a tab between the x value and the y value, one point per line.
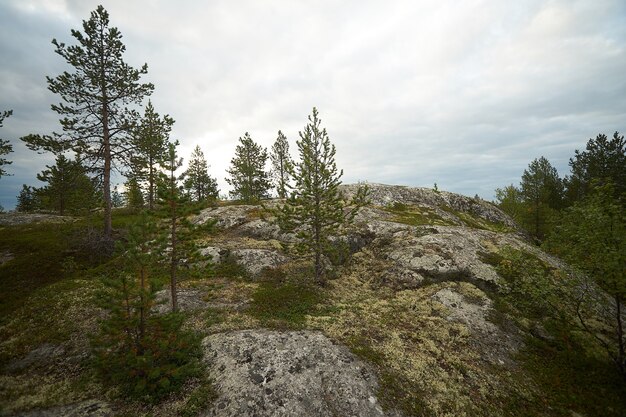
151	184
106	183
174	263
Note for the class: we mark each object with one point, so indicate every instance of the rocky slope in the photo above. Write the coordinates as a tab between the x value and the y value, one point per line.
411	322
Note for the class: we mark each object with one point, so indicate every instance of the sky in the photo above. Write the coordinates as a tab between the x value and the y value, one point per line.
462	94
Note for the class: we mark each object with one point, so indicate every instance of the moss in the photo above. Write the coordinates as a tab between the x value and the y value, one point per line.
414	216
199	400
477	222
286	305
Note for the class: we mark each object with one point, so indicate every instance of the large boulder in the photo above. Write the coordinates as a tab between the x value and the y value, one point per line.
284	374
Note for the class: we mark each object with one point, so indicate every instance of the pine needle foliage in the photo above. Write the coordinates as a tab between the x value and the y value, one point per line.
199	184
95	115
248	177
282	164
145	355
150	140
315	210
5	147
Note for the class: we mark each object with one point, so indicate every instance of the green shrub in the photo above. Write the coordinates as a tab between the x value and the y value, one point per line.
285	305
150	368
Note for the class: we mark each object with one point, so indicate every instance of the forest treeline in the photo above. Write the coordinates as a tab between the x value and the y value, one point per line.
582	219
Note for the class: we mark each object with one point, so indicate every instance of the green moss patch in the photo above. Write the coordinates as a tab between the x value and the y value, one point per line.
414	216
284	305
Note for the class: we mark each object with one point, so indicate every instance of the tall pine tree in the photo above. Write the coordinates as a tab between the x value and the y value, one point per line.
150	140
95	115
198	183
315	209
282	164
542	190
248	177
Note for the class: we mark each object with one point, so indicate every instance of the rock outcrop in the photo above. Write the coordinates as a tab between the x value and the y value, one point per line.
270	373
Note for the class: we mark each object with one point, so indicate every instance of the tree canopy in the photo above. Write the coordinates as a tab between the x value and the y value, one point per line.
95	115
150	140
282	164
603	160
315	209
199	184
248	177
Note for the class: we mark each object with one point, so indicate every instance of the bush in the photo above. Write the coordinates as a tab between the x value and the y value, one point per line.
284	305
155	366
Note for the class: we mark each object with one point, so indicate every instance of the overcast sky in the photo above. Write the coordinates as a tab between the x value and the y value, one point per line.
464	94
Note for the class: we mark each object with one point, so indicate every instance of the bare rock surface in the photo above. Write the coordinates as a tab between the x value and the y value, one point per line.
256	260
385	195
226	217
446	253
214	253
188	300
284	374
496	346
89	408
39	356
14	218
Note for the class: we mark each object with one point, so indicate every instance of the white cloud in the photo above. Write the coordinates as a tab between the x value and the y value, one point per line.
462	93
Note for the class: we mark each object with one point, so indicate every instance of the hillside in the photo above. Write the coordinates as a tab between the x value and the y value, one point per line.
438	305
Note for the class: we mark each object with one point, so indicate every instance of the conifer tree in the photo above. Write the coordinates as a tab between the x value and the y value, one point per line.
28	199
178	243
145	354
315	208
198	183
95	115
67	187
151	140
5	147
248	177
542	190
133	194
602	161
282	164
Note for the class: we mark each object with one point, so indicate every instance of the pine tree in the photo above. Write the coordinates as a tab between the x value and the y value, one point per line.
174	201
28	199
282	164
146	355
133	194
151	140
603	161
198	183
178	243
248	177
67	188
5	147
542	190
315	208
96	117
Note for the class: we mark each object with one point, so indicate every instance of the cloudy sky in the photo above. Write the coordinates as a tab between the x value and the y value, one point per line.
464	94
